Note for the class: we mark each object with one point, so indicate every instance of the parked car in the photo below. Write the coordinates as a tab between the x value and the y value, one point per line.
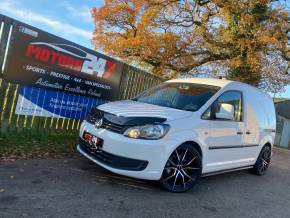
181	130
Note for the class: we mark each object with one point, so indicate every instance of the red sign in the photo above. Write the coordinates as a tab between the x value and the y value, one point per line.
37	58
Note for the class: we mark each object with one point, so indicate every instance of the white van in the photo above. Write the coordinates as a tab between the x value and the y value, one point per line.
181	130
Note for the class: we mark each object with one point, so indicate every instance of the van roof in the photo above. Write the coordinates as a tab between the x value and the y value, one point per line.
217	82
205	81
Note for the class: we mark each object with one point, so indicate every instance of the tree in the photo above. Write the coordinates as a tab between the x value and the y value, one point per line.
275	82
180	36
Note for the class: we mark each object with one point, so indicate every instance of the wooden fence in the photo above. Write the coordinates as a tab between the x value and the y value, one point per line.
133	82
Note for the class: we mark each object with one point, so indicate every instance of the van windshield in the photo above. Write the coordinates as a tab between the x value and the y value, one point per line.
183	96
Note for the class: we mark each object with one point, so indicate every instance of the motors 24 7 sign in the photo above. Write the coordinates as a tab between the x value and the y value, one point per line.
40	59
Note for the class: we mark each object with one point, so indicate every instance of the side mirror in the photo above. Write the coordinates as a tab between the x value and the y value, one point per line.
226	112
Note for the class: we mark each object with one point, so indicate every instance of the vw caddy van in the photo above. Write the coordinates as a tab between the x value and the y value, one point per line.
181	130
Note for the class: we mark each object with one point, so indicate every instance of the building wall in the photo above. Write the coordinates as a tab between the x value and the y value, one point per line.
285	134
279	130
285	139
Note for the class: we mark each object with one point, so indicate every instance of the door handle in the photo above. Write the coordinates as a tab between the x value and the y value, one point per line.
248	132
240	133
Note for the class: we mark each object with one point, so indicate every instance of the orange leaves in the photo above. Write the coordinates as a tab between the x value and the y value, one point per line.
147	18
128	29
138	5
180	36
269	40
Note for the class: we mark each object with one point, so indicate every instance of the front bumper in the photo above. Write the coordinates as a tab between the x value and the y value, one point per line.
111	160
147	158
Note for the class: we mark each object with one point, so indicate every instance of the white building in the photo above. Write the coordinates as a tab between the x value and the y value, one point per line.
283	124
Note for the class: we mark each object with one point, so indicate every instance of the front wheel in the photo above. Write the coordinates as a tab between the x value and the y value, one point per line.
182	170
262	162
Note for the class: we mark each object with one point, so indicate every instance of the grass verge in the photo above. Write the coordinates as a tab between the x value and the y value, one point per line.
37	145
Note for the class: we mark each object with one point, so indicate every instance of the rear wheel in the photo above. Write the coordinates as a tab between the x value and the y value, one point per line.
182	170
262	162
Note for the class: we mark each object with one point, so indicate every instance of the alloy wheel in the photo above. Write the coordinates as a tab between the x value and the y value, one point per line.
264	160
182	169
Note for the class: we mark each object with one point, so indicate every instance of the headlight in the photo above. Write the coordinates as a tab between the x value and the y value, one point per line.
154	131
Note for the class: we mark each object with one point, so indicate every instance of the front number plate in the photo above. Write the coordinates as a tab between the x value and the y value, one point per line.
95	143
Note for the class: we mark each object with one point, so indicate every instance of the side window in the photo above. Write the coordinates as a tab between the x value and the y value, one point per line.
228	101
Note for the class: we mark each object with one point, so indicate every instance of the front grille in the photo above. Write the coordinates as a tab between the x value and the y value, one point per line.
112	126
112	160
93	117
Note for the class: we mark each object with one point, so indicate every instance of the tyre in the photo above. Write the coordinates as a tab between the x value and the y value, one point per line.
262	162
182	170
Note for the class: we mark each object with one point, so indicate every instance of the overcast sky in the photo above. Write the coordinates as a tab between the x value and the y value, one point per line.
69	19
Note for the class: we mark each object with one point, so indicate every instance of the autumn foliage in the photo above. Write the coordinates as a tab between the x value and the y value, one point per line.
246	40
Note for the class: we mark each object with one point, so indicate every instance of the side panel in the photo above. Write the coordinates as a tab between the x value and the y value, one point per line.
254	118
260	116
260	121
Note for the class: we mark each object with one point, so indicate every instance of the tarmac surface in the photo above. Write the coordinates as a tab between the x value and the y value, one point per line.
79	188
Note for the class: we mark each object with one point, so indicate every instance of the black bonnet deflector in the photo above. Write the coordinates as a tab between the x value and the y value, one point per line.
125	121
133	121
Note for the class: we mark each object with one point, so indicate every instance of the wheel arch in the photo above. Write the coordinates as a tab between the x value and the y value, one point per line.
196	146
267	140
268	144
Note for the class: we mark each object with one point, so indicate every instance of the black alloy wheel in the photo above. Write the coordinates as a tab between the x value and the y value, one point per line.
182	170
263	161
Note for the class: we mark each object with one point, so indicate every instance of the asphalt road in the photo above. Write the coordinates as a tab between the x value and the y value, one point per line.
78	188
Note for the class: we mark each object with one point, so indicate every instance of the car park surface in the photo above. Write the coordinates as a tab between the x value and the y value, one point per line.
78	188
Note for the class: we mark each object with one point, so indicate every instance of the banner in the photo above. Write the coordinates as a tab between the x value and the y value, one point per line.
37	58
48	103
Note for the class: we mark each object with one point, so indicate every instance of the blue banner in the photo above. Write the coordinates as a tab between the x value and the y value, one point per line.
47	103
